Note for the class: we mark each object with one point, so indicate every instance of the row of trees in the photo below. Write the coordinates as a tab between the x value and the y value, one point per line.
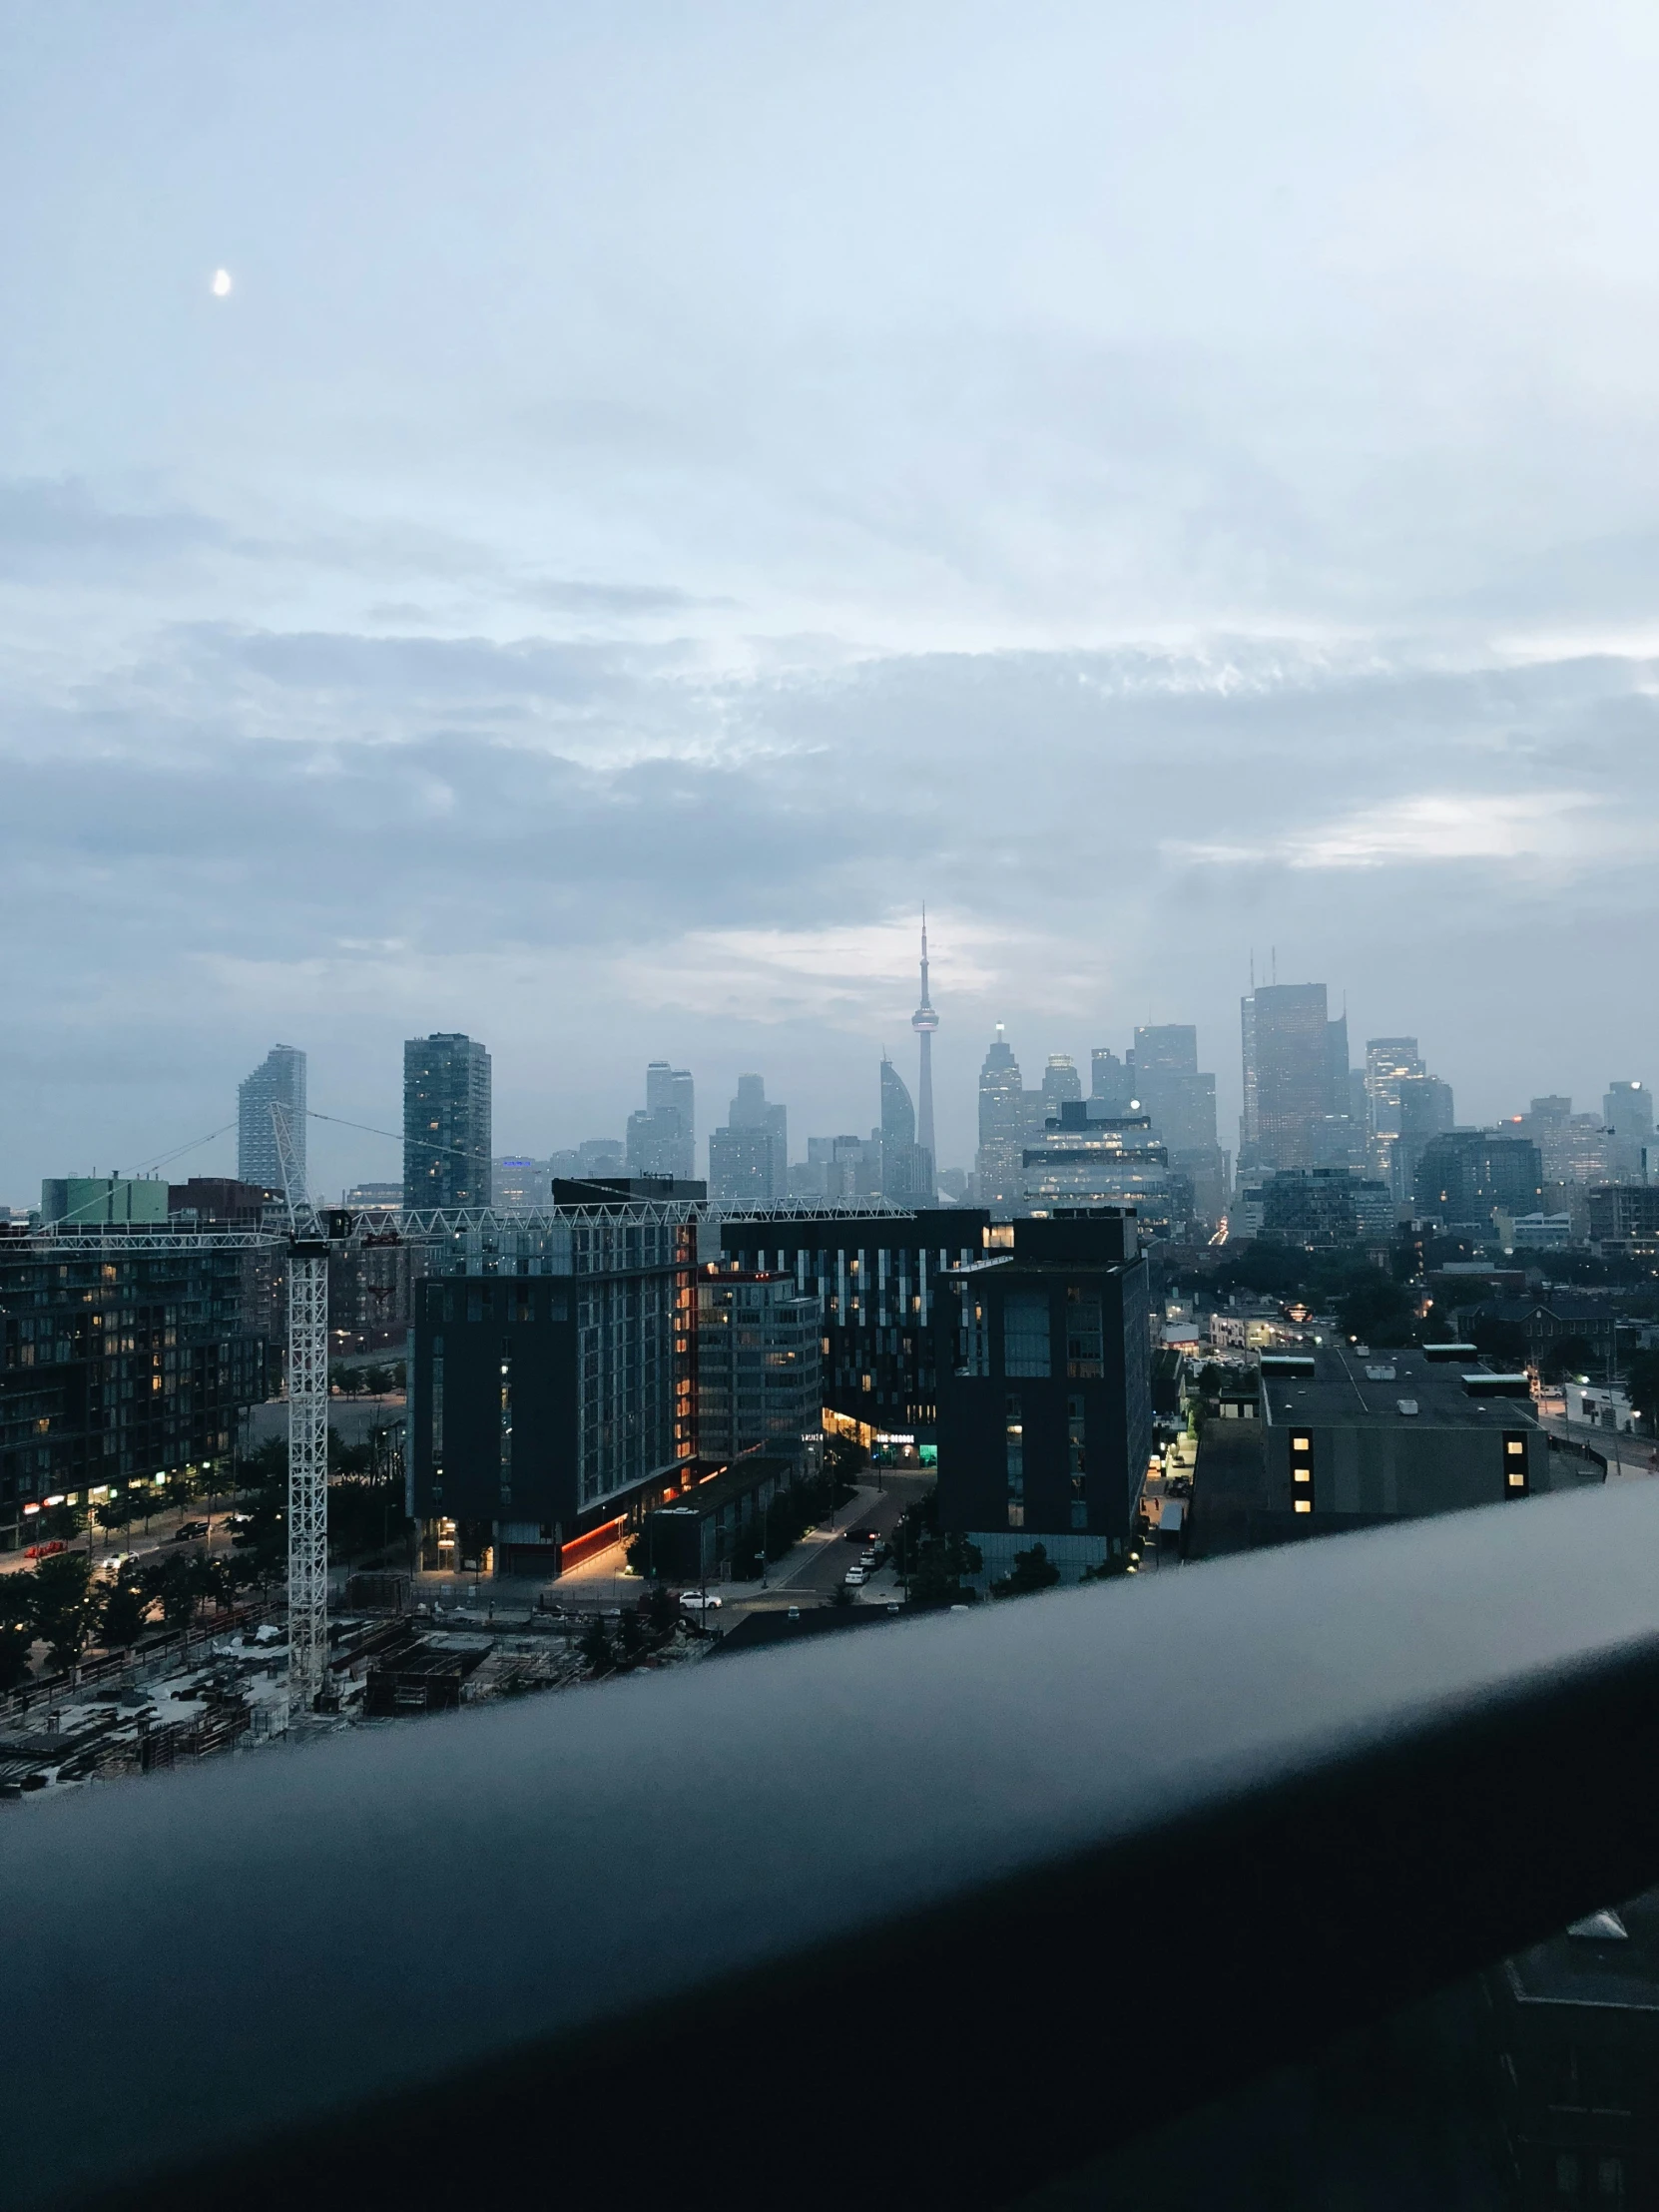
59	1603
368	1382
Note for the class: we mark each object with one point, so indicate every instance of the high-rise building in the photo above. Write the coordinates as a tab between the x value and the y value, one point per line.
1180	1101
446	1121
1464	1176
279	1080
1628	1111
1002	1130
1111	1083
1061	1083
521	1186
757	1365
752	1109
661	1140
1425	1106
906	1165
76	1202
924	1021
116	1370
548	1406
1388	1061
1289	1054
1087	1160
741	1167
1045	1393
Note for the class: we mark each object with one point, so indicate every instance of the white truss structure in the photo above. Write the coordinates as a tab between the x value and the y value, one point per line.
308	1476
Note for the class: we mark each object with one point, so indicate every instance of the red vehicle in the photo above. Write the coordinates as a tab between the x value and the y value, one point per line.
45	1551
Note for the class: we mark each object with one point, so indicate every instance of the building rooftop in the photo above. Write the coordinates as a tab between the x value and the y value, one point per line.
1351	1388
1611	1957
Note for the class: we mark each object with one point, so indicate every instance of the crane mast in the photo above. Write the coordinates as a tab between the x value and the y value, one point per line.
307	1507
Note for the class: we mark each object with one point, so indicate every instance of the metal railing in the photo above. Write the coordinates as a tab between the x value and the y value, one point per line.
898	1919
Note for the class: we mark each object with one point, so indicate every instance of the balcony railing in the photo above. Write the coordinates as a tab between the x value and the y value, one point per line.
890	1919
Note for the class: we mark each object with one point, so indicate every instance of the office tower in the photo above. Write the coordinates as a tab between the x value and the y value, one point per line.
601	1156
924	1021
740	1167
906	1165
751	1109
1111	1082
1045	1394
1086	1160
446	1121
279	1080
1628	1112
1424	1107
661	1140
1180	1101
1388	1061
1288	1060
1001	1124
1061	1081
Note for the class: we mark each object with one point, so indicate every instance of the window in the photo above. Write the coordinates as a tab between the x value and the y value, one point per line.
1077	1462
1013	1430
1610	2180
1515	1465
1085	1337
976	1341
1566	2174
1025	1333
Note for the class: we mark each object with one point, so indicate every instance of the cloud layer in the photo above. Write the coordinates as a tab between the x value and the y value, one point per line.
670	492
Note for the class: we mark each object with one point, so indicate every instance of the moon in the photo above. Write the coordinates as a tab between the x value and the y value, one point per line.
222	283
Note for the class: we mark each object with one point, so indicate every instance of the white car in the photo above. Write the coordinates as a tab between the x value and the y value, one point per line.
698	1601
854	1577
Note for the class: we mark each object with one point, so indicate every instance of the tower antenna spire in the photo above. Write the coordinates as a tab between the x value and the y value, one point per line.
924	1021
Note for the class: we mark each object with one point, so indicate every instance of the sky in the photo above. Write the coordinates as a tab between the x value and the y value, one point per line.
671	489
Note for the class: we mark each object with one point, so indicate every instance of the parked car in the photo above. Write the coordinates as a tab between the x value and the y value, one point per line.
698	1601
45	1551
867	1562
188	1529
853	1576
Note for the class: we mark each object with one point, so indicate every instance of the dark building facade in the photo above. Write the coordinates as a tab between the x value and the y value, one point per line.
1045	1392
553	1397
115	1368
1464	1176
1288	1094
446	1122
876	1279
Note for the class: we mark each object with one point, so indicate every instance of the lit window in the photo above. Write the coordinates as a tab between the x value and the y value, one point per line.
1305	1506
1516	1448
1516	1478
1302	1443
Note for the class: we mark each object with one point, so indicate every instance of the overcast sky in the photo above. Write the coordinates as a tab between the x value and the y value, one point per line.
670	488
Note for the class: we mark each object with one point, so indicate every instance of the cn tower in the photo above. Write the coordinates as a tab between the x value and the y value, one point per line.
924	1021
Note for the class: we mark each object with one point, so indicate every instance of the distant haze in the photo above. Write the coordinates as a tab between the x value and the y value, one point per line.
666	490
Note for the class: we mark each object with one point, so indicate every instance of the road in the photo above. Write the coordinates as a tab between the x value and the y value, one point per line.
162	1537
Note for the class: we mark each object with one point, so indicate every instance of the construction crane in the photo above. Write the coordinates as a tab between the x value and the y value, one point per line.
308	1259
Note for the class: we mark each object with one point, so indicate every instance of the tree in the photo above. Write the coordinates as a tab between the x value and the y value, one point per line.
61	1607
115	1512
122	1616
1565	1355
172	1583
1378	1311
936	1578
1642	1382
1032	1571
60	1524
17	1628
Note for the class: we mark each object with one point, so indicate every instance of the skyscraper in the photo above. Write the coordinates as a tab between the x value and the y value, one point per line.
1628	1109
1288	1061
1426	1112
1001	1124
906	1165
1180	1100
661	1140
279	1080
924	1021
749	1160
446	1121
